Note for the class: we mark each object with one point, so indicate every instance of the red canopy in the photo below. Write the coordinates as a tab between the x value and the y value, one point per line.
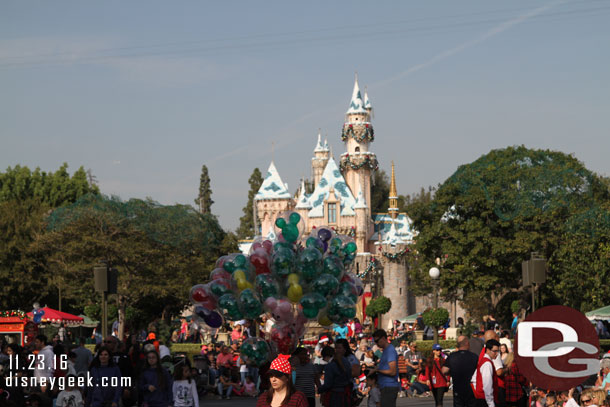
52	316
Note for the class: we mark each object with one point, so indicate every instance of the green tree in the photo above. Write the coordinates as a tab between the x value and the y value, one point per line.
25	199
204	199
380	192
490	214
148	243
378	306
246	222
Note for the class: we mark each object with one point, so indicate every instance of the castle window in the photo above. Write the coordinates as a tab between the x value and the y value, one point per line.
357	149
332	213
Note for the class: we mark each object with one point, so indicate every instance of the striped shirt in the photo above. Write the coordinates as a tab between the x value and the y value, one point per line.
304	382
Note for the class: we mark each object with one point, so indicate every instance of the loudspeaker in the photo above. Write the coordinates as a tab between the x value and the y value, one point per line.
113	277
537	271
100	278
525	273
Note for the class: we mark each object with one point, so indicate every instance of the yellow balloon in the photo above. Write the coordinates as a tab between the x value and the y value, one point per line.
324	321
239	275
293	278
242	284
295	292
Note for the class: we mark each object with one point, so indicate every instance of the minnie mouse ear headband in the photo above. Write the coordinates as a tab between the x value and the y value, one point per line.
281	365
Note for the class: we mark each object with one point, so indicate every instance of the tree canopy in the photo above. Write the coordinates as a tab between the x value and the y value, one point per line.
490	214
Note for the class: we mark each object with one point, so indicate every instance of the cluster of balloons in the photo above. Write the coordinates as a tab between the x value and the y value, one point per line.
293	279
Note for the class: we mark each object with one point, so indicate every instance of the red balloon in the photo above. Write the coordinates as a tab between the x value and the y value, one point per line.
260	260
200	295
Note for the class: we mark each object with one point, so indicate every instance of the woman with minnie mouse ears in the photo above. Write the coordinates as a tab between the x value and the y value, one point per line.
282	391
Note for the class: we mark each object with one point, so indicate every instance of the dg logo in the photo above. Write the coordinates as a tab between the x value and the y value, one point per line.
557	348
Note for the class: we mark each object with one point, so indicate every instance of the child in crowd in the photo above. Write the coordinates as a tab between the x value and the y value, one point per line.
250	387
374	399
71	396
184	388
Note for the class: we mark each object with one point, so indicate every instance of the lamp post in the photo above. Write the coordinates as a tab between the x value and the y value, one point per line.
435	274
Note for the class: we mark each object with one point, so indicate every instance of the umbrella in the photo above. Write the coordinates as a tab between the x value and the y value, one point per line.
600	313
52	316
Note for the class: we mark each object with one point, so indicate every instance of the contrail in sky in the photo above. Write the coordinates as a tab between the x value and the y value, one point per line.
491	33
435	59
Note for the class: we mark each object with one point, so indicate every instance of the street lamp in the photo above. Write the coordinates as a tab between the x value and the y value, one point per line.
435	275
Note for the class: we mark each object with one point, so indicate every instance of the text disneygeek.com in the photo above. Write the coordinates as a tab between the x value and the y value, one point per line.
62	383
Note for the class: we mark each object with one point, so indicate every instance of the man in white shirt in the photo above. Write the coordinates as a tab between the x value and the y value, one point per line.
485	379
44	359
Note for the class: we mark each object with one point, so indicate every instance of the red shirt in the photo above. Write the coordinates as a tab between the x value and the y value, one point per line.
440	380
297	399
223	360
514	381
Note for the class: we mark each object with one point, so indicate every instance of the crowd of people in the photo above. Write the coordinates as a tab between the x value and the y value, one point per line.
340	368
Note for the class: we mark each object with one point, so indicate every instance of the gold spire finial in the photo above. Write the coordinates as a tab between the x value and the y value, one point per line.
393	209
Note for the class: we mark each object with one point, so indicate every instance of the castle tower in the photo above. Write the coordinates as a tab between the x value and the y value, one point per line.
393	209
362	220
321	154
272	199
395	279
357	163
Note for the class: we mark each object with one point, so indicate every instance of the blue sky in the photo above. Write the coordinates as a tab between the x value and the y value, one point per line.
145	92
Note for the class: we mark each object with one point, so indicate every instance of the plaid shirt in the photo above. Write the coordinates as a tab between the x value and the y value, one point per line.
297	399
514	381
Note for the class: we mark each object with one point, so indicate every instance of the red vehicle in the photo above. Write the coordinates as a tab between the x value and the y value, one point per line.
16	327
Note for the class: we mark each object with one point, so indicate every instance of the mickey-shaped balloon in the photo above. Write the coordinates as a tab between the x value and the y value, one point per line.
230	306
266	286
280	310
250	305
326	284
283	261
290	231
312	303
200	295
310	263
255	351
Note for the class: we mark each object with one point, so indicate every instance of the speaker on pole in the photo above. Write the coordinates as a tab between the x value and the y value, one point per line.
100	278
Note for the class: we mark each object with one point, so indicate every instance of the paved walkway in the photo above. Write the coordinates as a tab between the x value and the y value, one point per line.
401	402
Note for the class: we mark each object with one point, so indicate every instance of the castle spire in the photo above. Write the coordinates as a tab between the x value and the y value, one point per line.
319	145
356	105
393	209
367	102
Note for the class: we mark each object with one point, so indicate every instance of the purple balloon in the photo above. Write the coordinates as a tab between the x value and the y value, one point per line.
213	319
202	312
324	234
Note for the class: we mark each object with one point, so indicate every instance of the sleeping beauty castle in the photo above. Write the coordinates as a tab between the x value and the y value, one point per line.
341	199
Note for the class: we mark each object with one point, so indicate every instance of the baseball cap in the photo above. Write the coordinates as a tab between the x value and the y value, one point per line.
436	346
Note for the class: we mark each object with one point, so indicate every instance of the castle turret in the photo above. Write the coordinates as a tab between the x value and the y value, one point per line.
303	205
395	279
272	199
393	209
321	154
357	163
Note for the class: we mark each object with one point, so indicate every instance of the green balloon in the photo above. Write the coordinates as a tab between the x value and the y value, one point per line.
280	223
350	248
333	265
250	305
294	218
290	233
229	266
312	303
240	260
310	263
266	286
283	262
219	289
284	245
325	285
229	304
348	290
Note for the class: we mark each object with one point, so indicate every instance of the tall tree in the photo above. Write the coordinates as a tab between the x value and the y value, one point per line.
204	199
246	222
490	214
380	192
